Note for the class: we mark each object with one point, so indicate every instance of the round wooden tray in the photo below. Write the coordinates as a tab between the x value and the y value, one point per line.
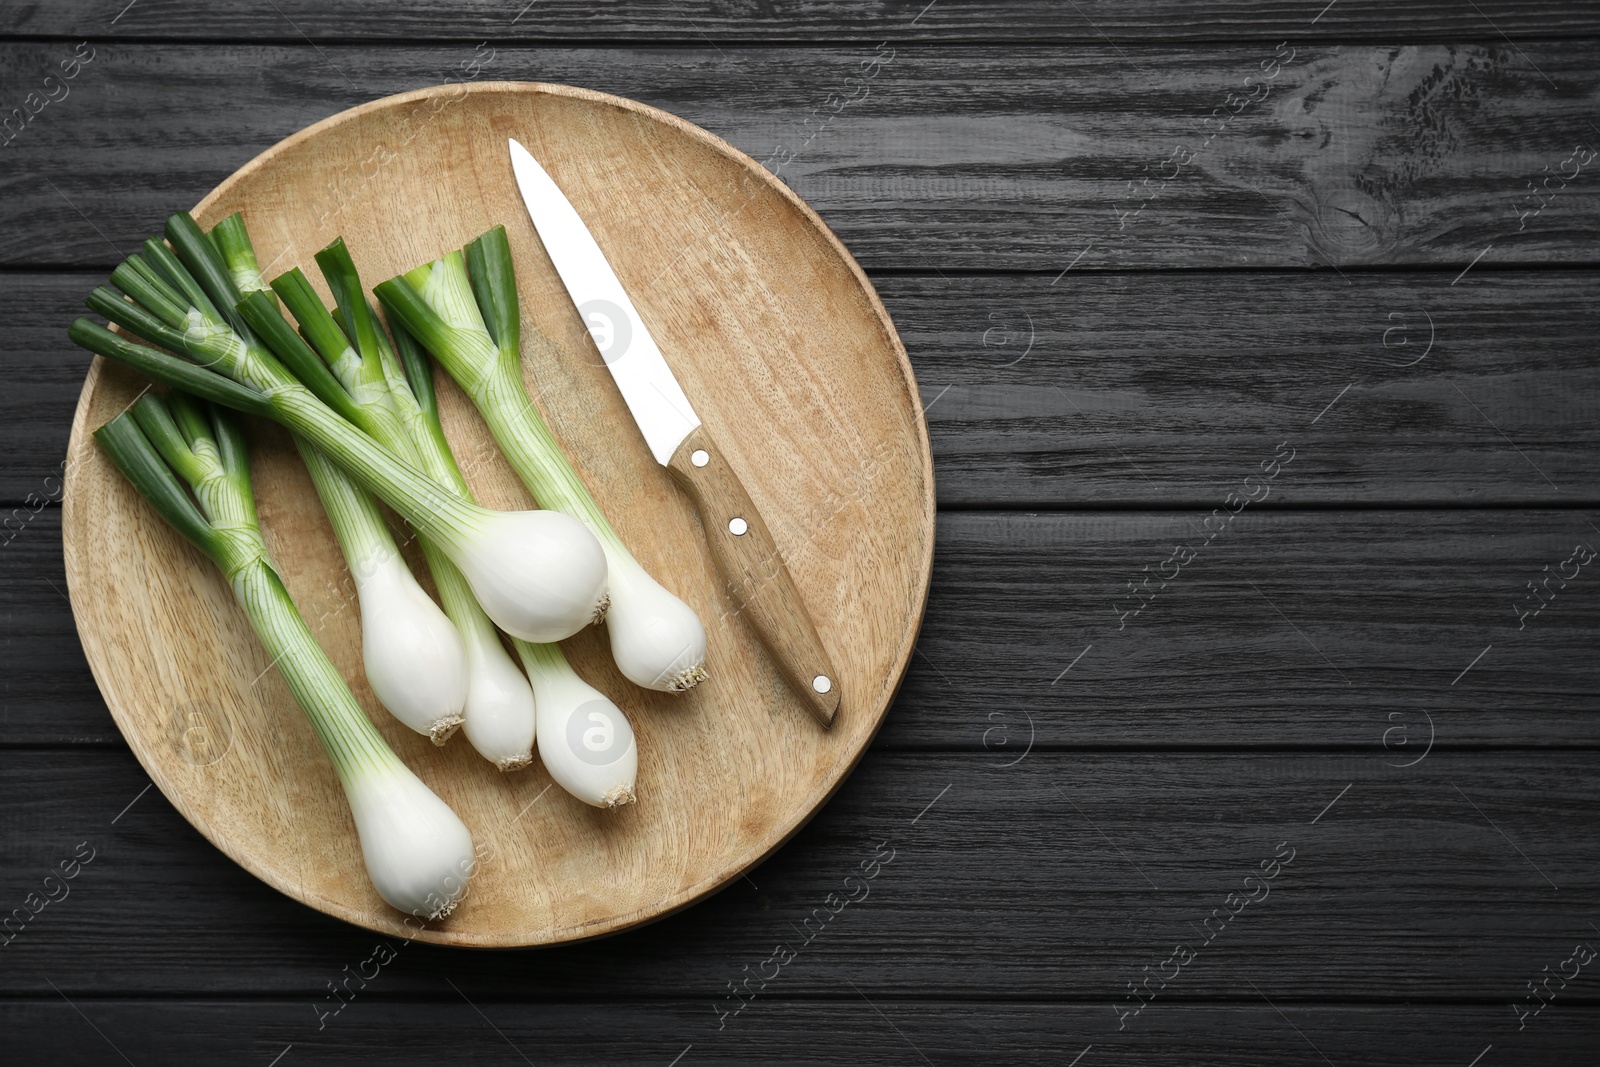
792	363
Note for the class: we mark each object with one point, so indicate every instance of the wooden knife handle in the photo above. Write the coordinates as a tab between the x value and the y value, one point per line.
749	561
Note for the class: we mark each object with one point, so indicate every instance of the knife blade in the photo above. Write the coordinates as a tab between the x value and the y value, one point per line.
740	542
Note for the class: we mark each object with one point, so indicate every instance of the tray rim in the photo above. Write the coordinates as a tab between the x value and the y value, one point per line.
807	809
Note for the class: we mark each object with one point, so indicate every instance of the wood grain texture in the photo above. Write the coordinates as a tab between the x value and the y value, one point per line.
1027	21
727	772
757	578
1056	879
996	141
977	158
1146	389
841	1029
1162	390
1015	599
1285	628
43	374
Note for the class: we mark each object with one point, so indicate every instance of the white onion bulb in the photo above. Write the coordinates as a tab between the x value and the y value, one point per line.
539	575
585	741
418	853
414	657
500	710
656	639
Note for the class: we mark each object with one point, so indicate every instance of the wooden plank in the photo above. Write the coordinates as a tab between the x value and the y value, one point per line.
1154	390
1352	628
1164	390
1033	158
1060	878
753	20
848	1028
43	372
1353	633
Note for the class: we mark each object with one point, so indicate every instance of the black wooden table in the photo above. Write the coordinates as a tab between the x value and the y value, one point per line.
1254	717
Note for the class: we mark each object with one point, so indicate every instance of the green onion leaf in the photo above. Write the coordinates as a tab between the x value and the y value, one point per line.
356	319
205	265
406	306
168	369
294	289
133	454
494	285
156	296
161	430
191	420
160	258
261	314
232	242
419	372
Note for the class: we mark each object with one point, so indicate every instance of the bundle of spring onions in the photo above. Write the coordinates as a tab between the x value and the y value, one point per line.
415	658
539	575
584	739
365	419
494	698
418	854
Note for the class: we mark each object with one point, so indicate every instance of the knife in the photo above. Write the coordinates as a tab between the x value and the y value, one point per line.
740	542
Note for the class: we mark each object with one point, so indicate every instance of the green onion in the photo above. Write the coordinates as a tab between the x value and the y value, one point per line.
499	705
584	739
414	658
418	853
472	326
538	574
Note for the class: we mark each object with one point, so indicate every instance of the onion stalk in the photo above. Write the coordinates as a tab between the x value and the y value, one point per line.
414	657
472	325
538	574
584	740
596	760
418	854
499	705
